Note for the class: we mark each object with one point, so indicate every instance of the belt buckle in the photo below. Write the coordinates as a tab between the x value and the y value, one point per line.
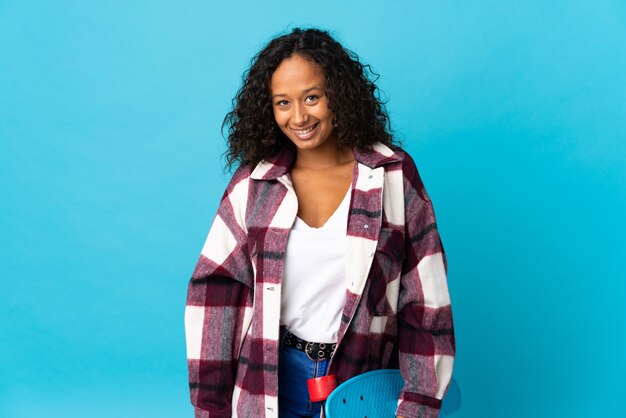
307	348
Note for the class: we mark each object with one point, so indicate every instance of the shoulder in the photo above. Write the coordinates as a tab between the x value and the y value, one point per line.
413	184
241	173
403	157
237	188
394	157
391	157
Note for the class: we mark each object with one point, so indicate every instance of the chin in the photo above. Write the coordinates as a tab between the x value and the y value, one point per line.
306	144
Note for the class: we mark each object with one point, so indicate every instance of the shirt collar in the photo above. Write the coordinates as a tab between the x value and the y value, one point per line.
279	164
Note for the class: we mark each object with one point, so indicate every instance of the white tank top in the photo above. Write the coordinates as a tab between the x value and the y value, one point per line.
314	277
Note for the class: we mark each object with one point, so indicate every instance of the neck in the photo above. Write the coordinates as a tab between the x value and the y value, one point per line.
323	157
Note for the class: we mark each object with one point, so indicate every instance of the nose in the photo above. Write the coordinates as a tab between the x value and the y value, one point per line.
300	116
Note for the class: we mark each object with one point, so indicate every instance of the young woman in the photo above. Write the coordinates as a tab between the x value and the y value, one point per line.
324	256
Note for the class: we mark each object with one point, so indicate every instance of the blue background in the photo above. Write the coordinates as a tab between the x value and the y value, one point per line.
110	174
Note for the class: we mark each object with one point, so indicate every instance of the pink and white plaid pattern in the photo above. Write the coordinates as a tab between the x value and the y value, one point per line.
397	312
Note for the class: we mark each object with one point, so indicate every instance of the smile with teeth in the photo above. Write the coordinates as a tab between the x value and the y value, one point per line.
305	133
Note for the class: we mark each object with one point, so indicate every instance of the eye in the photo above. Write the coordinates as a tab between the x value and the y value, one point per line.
312	97
281	103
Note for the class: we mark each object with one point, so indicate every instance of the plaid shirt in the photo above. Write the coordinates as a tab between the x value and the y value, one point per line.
397	312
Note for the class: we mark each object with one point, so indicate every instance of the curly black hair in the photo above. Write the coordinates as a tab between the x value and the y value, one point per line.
360	115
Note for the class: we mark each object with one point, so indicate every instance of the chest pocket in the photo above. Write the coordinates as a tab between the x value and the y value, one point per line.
266	249
382	291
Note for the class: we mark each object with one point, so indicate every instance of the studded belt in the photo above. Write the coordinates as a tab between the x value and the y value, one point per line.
314	351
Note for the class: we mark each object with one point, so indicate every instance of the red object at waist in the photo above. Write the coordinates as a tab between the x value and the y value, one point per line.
320	387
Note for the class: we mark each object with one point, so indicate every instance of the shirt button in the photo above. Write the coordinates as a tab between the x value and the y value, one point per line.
371	177
366	226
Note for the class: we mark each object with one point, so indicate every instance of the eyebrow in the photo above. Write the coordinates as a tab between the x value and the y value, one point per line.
303	91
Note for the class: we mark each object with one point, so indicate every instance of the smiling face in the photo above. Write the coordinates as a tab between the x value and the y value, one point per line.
300	104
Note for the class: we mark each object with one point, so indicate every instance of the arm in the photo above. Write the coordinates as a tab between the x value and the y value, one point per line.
219	301
426	333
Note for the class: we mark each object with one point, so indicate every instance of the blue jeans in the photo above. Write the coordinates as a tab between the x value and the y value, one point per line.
294	369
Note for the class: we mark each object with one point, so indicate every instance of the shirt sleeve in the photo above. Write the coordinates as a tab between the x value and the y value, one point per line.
219	303
426	332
